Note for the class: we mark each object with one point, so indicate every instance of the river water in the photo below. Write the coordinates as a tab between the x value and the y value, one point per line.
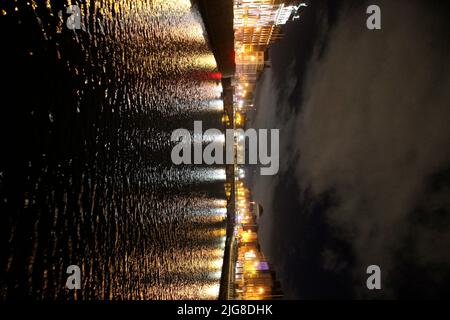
85	172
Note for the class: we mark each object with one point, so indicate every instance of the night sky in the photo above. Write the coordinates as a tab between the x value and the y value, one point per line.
364	151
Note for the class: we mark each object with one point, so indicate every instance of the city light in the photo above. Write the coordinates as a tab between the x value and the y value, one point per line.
216	105
256	25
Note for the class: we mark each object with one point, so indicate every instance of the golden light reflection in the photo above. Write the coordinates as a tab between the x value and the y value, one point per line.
216	264
220	232
141	40
218	253
220	203
205	61
216	275
212	291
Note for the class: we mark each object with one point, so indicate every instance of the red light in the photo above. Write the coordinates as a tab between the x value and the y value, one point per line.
216	75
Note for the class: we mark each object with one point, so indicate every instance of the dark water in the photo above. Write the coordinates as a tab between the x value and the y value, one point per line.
85	170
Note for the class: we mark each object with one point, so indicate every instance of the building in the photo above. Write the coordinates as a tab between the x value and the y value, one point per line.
254	276
257	24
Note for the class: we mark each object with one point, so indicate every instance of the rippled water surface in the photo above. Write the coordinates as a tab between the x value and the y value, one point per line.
86	176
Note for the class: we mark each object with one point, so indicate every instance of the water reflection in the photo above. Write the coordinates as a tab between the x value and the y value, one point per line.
92	183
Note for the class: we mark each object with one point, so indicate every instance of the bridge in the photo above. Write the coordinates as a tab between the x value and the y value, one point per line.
218	19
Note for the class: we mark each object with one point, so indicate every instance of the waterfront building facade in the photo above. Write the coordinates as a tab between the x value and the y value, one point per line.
255	279
257	24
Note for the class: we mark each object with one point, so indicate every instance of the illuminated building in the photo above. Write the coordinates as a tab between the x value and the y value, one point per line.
249	63
254	277
257	24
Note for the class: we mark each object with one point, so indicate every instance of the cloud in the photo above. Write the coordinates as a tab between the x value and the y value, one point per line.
373	129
